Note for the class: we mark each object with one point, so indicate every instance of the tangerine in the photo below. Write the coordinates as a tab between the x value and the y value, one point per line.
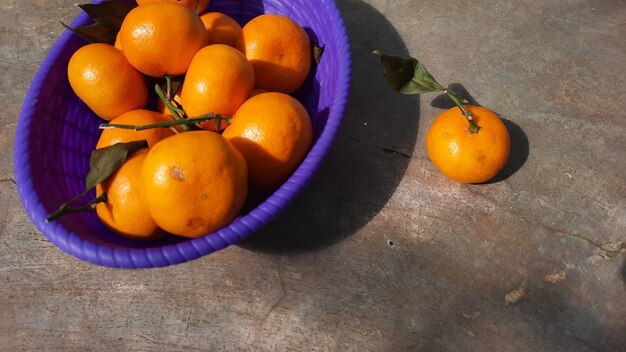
465	156
124	211
101	77
161	38
190	4
138	118
279	50
219	80
194	183
273	132
221	28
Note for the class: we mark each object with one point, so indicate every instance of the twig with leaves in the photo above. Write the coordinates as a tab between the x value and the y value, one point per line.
408	76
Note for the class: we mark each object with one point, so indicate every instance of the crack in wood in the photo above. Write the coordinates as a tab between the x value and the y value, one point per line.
280	299
8	179
390	150
607	250
401	152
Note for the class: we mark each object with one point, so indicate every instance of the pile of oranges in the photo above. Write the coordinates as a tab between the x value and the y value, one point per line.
194	179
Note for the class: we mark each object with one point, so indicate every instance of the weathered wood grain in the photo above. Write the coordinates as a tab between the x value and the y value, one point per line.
381	253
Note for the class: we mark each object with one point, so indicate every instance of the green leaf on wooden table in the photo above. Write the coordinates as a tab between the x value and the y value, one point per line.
95	33
109	13
407	75
104	162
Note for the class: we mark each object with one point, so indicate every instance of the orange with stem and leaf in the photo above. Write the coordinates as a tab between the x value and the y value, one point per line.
468	144
124	210
463	155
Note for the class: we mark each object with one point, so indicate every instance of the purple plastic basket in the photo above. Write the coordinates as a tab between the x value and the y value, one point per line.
56	133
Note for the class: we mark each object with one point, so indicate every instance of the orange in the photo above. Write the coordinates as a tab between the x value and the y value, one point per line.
190	4
279	50
101	77
221	29
219	80
465	156
161	38
194	183
273	132
138	118
124	210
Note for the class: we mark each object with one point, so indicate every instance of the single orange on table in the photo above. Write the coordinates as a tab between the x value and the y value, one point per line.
190	4
124	210
102	77
279	50
465	156
221	28
161	38
273	132
219	80
140	117
194	183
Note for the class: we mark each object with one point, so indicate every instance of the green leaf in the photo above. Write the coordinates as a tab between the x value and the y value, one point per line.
317	53
109	13
407	75
95	33
108	17
104	162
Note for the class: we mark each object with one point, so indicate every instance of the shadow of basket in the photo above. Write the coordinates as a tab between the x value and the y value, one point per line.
369	157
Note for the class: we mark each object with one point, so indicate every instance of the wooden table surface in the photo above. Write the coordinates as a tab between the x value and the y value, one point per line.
381	252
